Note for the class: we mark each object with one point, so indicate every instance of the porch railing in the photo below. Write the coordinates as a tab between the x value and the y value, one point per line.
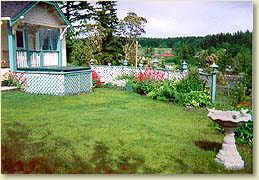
36	58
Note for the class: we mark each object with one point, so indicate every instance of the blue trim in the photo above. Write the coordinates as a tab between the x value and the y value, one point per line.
41	47
59	48
11	48
27	45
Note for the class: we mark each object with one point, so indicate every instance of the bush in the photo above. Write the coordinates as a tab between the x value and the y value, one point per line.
192	91
237	94
244	133
81	53
197	99
192	83
163	91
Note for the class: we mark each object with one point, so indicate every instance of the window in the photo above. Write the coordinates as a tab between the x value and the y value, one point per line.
19	39
50	38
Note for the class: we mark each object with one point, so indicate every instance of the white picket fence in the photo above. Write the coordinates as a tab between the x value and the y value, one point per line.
110	73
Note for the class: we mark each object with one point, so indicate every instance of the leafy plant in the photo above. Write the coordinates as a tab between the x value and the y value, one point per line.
163	91
192	83
14	79
244	133
197	99
237	93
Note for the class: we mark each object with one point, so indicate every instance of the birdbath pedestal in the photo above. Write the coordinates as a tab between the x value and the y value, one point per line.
228	155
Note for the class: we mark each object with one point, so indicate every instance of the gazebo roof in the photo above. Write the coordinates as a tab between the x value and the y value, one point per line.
15	9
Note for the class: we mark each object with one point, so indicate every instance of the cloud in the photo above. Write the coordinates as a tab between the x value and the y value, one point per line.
190	18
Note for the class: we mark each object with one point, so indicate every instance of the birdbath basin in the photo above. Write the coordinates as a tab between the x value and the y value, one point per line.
228	155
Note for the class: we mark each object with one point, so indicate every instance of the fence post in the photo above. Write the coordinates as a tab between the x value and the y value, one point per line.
185	68
213	83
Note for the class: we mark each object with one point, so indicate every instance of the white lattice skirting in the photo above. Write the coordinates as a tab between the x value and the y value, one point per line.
58	83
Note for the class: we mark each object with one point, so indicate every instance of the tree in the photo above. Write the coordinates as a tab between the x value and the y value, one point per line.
106	20
78	13
132	26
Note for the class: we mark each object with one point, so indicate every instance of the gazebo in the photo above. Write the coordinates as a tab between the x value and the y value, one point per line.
33	42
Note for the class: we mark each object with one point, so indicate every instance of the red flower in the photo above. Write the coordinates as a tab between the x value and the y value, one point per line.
96	78
150	74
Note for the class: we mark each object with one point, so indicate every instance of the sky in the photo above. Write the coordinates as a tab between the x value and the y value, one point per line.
174	18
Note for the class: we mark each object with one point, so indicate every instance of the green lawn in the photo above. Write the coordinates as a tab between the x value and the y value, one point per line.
108	131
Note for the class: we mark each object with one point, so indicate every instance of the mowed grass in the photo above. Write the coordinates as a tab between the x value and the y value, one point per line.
108	131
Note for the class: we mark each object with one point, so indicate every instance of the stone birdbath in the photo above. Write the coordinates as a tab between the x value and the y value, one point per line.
228	155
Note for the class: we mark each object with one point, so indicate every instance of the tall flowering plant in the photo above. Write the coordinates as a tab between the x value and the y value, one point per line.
150	74
146	81
96	79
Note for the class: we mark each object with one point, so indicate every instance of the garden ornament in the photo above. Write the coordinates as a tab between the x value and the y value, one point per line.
228	155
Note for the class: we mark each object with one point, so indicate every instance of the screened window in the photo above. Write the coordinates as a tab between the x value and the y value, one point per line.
19	39
50	39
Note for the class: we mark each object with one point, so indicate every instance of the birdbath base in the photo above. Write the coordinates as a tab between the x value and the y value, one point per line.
228	155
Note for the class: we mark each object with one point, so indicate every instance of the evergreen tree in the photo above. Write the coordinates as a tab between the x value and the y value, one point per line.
77	13
106	17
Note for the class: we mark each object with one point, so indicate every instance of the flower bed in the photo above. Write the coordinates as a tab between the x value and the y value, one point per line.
111	74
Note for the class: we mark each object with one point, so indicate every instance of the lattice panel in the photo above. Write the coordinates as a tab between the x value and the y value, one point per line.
77	83
58	84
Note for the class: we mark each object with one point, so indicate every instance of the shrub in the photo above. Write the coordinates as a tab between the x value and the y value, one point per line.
197	99
244	133
192	91
81	53
191	83
96	80
237	94
163	91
